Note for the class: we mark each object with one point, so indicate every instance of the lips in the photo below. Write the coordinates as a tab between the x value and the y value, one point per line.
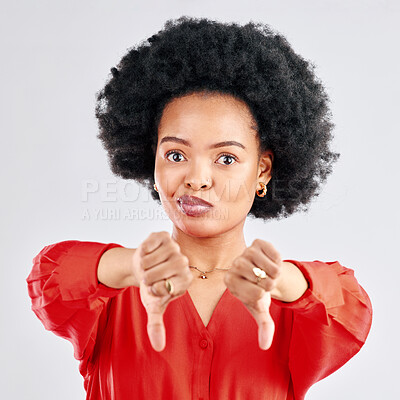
193	201
193	206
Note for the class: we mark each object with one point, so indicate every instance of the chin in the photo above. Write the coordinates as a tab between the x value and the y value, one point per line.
201	226
198	228
204	228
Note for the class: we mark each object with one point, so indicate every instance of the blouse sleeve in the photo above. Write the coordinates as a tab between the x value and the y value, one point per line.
66	294
330	322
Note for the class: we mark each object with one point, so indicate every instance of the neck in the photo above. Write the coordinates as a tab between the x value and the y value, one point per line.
207	253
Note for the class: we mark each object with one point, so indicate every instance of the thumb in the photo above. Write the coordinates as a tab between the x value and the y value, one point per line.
266	330
155	307
156	330
266	325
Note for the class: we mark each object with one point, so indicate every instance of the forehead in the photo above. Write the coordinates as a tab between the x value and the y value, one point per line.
205	116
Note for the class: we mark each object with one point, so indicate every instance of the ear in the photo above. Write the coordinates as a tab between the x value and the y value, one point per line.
265	166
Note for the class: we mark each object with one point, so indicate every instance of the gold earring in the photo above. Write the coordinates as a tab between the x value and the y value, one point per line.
155	188
263	191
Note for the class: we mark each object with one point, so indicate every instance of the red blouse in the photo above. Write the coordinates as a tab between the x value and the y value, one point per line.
314	335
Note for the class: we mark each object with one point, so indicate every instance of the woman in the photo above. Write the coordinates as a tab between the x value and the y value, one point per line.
220	121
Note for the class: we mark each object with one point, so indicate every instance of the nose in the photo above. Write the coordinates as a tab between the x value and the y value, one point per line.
197	184
198	178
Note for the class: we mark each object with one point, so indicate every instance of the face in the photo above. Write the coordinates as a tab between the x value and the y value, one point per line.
208	148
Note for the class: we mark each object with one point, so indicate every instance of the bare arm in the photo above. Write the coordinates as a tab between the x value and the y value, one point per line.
115	268
291	283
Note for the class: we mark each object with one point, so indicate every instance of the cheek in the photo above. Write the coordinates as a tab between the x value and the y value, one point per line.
240	189
168	180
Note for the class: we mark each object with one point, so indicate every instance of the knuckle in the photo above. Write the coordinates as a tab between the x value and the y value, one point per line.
156	289
153	235
277	258
165	234
147	277
228	278
177	260
171	253
275	272
189	277
261	293
172	240
258	294
240	268
142	264
235	263
171	246
238	262
269	285
175	248
259	243
184	262
252	251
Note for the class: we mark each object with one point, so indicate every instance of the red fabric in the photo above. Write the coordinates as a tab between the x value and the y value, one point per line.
315	335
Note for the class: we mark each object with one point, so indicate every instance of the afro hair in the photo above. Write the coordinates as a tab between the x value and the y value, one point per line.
253	63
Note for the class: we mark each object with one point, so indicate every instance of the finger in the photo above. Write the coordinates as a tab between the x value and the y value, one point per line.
244	269
261	260
244	290
173	266
178	284
154	241
163	253
159	255
268	249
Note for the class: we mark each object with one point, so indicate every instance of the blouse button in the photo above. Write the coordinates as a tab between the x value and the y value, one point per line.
203	343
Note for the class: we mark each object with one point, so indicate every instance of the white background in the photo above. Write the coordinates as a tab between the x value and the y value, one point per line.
56	55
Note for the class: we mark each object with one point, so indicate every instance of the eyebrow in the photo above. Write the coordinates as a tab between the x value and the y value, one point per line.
213	146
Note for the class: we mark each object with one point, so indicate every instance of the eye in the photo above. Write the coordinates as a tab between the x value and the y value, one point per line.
227	157
175	155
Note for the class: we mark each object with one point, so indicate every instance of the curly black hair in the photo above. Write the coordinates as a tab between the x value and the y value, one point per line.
253	63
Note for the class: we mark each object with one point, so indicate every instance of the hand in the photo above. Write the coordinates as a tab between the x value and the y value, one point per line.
242	283
156	259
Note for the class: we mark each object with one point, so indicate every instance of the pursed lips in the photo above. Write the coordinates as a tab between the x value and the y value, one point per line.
193	201
193	206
